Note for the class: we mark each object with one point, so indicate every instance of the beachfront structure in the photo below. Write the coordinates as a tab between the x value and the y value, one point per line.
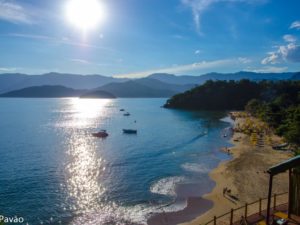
293	167
287	213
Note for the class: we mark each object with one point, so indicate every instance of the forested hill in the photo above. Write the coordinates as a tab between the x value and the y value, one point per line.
276	103
231	95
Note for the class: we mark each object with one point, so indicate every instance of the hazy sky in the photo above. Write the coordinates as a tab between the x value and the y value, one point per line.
139	37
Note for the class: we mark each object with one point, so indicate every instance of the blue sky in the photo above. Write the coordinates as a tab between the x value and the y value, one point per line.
140	37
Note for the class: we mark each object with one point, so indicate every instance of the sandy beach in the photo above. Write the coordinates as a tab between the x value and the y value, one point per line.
245	175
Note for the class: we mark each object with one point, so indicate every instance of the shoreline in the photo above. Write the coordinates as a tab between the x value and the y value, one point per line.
196	204
248	162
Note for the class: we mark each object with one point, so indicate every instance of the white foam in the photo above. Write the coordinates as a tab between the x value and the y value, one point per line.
107	214
166	186
227	119
194	167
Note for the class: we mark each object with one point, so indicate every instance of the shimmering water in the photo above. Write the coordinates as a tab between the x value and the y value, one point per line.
52	171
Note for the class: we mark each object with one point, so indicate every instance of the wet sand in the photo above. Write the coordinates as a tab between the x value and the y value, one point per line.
195	206
245	175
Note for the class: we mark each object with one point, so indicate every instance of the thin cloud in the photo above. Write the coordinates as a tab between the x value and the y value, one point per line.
198	8
63	40
7	69
289	52
91	63
178	36
81	61
269	69
272	58
289	38
183	68
244	60
295	25
14	13
31	36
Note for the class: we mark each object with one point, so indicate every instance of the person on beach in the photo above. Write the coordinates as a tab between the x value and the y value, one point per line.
224	191
227	150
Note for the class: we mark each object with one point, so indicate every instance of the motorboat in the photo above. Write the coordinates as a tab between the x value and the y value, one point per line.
100	134
126	114
122	110
129	131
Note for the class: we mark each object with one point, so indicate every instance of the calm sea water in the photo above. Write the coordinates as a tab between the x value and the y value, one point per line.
52	171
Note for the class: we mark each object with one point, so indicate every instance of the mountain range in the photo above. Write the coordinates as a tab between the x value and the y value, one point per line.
11	81
155	85
144	87
187	79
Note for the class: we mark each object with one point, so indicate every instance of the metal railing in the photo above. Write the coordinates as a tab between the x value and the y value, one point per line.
256	207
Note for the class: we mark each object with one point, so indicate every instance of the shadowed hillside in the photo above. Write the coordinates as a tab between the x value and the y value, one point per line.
134	89
231	95
46	91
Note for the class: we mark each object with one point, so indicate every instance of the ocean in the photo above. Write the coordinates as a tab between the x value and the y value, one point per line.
53	171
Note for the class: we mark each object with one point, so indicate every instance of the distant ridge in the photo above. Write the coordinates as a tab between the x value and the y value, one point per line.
9	81
296	76
164	84
140	88
134	89
46	91
187	79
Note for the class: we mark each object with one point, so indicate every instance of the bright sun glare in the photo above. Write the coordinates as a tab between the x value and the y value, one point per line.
85	14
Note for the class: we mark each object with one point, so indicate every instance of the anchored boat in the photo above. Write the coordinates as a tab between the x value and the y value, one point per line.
129	131
100	134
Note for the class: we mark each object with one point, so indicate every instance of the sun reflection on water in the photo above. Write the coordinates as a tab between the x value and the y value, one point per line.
89	108
84	165
84	175
85	168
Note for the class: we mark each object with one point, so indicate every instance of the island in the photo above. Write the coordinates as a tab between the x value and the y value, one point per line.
44	91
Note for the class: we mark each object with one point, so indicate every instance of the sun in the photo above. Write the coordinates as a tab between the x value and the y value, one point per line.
85	14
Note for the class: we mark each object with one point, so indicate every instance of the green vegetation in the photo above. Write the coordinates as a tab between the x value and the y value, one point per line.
217	95
275	102
282	111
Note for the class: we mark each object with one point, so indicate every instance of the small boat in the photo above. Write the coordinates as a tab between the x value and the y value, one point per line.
129	131
279	147
122	110
126	114
100	134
